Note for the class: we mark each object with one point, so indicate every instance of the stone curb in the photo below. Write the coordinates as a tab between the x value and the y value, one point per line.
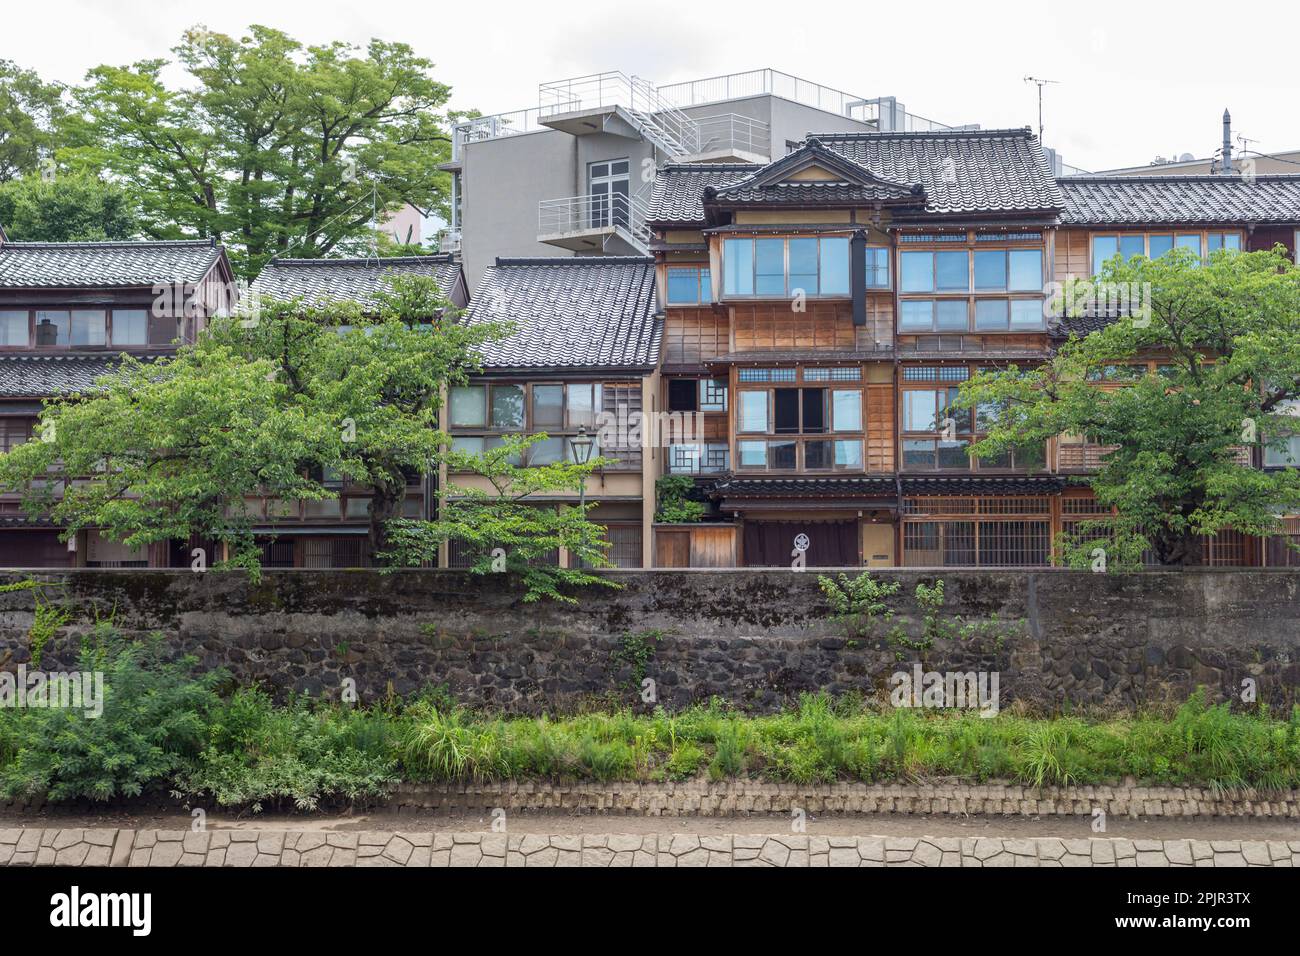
745	797
238	848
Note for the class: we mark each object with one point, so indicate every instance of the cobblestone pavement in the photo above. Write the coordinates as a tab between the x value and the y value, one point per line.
166	848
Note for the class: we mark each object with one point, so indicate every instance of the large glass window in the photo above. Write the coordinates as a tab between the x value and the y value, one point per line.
834	261
1104	248
507	406
990	269
13	329
752	454
753	411
130	327
688	285
584	404
52	329
738	269
1026	314
919	410
991	315
951	271
769	267
776	268
1215	241
548	406
846	410
946	271
468	406
803	266
877	267
929	315
1025	270
87	327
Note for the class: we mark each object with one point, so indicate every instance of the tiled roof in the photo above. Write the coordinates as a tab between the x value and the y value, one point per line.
991	171
39	376
769	356
571	312
104	264
678	193
813	192
982	485
349	280
1062	327
856	487
958	172
1138	200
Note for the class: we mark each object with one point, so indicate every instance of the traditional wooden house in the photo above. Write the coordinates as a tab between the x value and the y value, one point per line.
332	532
579	364
822	310
67	310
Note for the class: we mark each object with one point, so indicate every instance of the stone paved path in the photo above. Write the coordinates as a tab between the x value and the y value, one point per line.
234	848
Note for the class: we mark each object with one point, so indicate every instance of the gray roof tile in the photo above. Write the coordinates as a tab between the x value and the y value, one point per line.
1140	200
40	376
349	280
991	171
810	487
571	312
958	172
678	193
104	264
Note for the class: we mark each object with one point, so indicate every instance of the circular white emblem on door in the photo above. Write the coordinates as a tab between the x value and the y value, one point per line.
801	542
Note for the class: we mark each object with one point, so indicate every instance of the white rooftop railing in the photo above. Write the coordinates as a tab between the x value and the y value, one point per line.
666	104
571	214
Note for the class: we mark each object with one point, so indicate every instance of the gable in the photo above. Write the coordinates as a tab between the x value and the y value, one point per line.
813	173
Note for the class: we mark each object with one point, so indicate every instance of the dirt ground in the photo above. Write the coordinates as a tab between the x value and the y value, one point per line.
563	824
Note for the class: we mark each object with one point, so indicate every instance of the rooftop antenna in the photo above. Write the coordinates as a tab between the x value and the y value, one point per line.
1040	83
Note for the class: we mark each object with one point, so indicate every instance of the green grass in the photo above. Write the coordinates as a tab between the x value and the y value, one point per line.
817	742
168	727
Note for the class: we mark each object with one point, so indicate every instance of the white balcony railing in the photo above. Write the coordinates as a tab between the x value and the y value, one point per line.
733	133
449	241
664	123
558	217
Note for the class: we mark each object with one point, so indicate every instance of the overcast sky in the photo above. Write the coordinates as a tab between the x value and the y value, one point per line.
1134	80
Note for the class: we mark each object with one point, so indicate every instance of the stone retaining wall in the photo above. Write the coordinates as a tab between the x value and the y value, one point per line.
746	797
240	848
756	638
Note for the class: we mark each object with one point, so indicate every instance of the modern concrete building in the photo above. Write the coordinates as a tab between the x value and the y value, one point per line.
573	175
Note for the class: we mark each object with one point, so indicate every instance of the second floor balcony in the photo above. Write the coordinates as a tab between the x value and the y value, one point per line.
595	222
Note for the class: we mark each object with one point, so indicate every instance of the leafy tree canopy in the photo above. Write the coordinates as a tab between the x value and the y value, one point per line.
271	147
29	110
1227	336
76	207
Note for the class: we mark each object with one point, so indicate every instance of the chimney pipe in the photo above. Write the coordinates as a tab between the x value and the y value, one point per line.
1226	168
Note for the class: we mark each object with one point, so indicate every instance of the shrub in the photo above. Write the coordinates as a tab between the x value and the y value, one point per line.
155	715
302	753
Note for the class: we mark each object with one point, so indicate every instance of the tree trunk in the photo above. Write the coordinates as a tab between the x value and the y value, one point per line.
385	505
1178	549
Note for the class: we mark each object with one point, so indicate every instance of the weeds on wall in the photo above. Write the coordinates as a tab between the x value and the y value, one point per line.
862	606
47	615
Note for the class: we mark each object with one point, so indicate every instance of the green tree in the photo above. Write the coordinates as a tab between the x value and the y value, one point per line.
75	207
271	403
505	510
30	108
170	448
269	146
1227	336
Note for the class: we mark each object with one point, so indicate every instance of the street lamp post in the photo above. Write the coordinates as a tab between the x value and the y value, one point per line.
581	447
